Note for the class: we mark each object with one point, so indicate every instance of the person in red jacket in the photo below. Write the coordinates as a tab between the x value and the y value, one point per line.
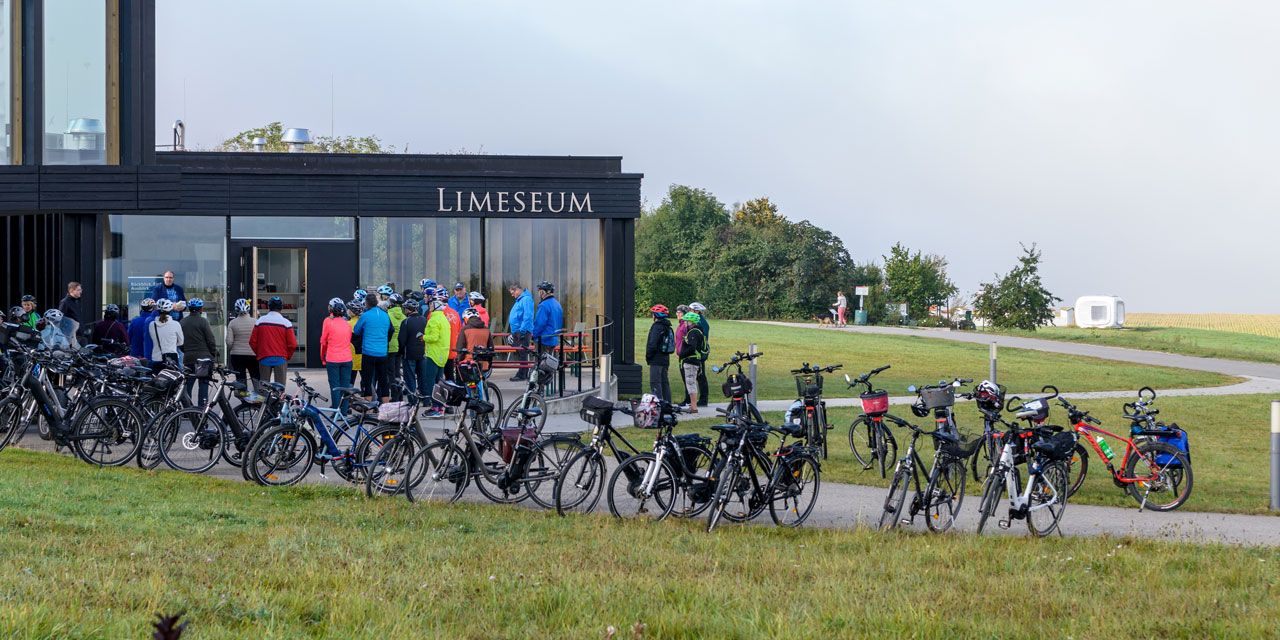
477	303
273	342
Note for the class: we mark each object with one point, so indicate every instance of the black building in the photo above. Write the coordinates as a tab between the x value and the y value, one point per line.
85	196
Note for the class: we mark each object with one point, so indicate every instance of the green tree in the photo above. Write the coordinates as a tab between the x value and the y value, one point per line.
1018	299
273	133
919	280
668	236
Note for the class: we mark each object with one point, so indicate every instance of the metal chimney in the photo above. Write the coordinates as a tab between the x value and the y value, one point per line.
297	139
259	144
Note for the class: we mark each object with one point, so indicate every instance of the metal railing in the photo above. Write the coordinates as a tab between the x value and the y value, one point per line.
578	351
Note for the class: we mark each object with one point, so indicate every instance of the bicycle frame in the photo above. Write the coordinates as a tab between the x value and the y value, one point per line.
1085	431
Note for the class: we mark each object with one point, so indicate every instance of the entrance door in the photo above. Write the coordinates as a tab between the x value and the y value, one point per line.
282	273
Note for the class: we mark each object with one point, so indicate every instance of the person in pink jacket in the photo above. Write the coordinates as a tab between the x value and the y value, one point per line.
335	349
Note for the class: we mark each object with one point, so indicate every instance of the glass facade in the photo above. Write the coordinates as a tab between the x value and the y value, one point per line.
403	251
526	251
6	82
75	82
137	250
292	228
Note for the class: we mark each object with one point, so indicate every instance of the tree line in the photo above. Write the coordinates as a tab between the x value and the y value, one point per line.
748	260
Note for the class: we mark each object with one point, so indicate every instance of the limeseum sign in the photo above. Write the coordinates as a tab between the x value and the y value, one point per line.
513	202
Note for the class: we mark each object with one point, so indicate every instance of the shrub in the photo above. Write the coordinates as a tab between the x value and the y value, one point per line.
671	289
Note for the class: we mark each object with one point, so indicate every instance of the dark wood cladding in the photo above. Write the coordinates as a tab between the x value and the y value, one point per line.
89	189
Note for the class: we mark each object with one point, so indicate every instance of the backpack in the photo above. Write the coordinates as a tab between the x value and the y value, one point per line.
668	341
698	354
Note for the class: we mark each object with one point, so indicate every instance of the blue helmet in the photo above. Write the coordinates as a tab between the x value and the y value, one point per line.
275	304
385	290
360	294
195	303
428	283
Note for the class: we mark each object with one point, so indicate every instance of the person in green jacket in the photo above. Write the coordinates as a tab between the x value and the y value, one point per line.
436	336
395	363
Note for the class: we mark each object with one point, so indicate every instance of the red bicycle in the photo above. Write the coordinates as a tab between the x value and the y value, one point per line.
1154	471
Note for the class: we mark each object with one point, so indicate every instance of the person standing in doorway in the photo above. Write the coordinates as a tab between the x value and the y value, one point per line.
239	332
412	349
520	326
395	311
692	354
657	352
169	290
198	344
70	308
274	342
701	310
842	303
335	351
375	331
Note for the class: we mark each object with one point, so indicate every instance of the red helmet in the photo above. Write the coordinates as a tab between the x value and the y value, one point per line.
658	308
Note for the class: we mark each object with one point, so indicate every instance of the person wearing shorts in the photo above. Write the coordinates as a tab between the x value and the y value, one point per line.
691	351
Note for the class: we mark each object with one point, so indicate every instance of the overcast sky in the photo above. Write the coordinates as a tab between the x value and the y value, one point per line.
1134	142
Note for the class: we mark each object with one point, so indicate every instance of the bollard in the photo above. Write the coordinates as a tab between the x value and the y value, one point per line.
751	374
606	378
993	364
1275	454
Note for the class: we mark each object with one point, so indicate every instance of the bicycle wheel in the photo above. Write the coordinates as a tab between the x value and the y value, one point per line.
510	418
386	474
249	471
891	517
498	464
727	477
992	491
695	495
945	494
982	460
642	487
191	440
1048	498
545	465
494	396
357	467
580	483
10	416
743	504
1169	471
238	445
106	432
439	472
1077	468
795	491
282	456
872	445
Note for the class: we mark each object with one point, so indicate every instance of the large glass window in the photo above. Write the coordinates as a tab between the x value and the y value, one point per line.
137	250
75	82
563	252
6	119
403	251
292	228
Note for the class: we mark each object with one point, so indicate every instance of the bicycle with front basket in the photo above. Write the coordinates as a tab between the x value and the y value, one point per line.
872	444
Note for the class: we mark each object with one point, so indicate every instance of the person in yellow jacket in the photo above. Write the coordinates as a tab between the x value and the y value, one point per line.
355	310
436	336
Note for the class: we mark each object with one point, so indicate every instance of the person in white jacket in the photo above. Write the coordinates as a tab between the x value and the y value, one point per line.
166	337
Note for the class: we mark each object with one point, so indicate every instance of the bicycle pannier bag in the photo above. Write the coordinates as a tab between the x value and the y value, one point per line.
736	386
938	397
513	437
875	403
203	369
449	393
397	412
164	381
1176	437
597	411
548	364
1057	446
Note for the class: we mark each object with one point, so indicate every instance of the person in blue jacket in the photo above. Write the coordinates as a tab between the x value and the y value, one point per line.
459	301
147	319
138	330
168	289
549	320
375	331
520	325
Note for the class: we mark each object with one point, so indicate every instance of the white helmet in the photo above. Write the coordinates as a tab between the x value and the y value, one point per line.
164	305
469	314
697	306
53	315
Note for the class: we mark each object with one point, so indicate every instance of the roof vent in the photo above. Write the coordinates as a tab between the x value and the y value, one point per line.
296	139
259	144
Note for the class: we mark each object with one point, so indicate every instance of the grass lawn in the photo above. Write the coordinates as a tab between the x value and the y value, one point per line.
1230	449
1190	342
95	553
915	360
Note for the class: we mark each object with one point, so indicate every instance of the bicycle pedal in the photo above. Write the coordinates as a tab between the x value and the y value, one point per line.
1004	524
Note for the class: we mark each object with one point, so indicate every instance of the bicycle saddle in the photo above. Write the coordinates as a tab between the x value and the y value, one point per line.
792	430
350	391
531	412
238	386
480	406
725	427
946	436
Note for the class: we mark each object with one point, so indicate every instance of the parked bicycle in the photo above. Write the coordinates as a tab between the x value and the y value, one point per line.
1045	451
581	481
813	414
872	444
737	386
662	482
749	478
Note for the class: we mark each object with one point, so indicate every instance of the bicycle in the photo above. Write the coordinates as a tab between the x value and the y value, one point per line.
814	415
581	481
194	438
663	477
1043	500
793	477
736	387
943	492
530	407
880	446
1147	466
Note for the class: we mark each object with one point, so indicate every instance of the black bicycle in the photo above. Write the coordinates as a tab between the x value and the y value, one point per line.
813	416
736	387
869	438
747	480
662	482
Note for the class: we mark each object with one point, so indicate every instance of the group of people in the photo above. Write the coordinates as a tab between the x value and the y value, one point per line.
690	342
59	326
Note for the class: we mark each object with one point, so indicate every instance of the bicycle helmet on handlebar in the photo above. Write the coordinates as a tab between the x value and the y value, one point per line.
53	315
989	396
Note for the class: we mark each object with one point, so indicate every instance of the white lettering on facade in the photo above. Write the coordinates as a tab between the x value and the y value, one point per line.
573	202
531	201
441	206
536	204
519	198
478	204
502	202
555	209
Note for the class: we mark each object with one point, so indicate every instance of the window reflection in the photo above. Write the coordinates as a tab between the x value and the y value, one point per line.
75	82
403	251
529	251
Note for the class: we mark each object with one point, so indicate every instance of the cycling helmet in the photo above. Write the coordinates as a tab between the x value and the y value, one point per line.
428	283
459	285
112	309
396	299
384	290
691	317
546	286
646	411
356	306
440	295
411	305
164	305
989	396
697	306
415	296
16	312
469	314
337	307
28	298
242	306
659	309
275	304
148	304
195	303
475	296
359	294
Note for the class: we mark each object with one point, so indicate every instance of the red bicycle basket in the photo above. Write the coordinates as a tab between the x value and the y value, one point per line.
875	403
